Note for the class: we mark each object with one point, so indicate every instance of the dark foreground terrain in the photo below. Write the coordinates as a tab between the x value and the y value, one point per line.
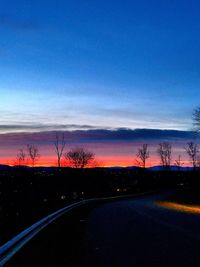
29	194
131	232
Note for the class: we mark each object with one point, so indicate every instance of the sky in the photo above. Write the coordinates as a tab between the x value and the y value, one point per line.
89	65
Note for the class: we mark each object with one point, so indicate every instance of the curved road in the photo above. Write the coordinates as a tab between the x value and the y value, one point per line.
140	233
125	233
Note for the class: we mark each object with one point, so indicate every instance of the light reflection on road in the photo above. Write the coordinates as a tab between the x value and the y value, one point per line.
179	207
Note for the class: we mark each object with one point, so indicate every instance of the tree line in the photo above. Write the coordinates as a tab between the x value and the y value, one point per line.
79	157
164	150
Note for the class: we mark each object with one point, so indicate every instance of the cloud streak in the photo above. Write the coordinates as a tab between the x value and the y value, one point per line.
40	127
87	133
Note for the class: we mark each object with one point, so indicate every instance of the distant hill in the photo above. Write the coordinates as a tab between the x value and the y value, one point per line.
153	168
156	168
172	168
4	167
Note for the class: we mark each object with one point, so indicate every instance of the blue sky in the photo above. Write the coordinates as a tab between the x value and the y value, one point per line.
101	64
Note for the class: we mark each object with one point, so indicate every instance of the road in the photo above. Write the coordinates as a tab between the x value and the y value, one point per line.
126	233
140	233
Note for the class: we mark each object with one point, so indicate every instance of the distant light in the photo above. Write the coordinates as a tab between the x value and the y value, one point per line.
121	189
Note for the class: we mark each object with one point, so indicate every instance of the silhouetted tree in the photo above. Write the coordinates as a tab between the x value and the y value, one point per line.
198	161
79	157
178	163
33	154
164	151
192	151
21	157
142	155
59	148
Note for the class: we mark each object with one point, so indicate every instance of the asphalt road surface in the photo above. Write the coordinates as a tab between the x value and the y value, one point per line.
133	232
140	233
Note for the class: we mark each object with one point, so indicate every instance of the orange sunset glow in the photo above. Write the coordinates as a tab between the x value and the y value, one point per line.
111	148
100	161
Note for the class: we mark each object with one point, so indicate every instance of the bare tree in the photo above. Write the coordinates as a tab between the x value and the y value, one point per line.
164	151
33	154
192	151
59	147
21	157
178	163
198	161
142	155
79	157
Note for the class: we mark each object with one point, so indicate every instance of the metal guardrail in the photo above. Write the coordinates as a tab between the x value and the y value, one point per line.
10	248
